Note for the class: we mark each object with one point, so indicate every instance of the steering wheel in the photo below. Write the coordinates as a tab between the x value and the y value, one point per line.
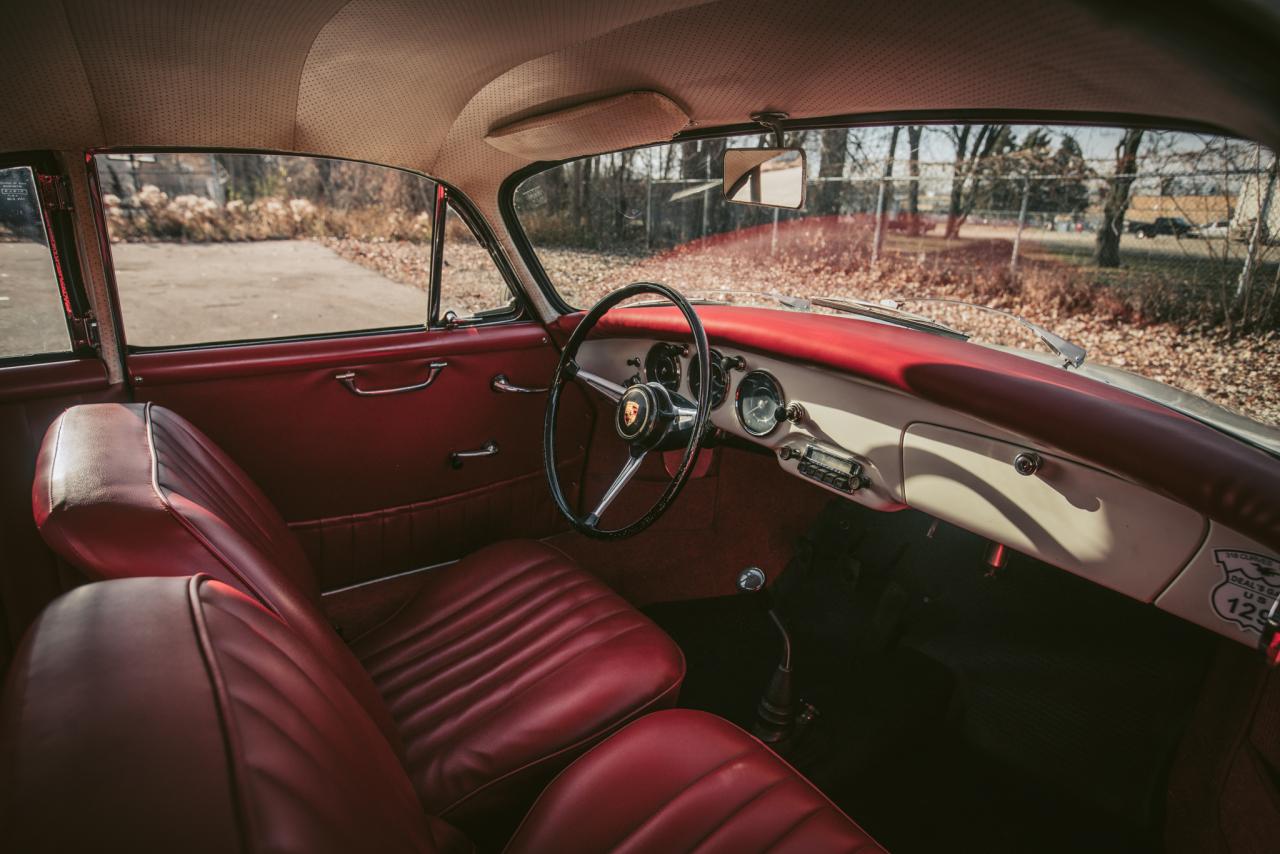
648	417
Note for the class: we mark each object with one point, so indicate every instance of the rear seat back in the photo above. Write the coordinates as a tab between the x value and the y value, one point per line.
178	714
128	490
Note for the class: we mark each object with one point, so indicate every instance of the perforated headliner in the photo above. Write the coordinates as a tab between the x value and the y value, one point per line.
420	84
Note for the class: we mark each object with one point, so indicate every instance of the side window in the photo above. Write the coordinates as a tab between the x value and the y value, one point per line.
32	319
211	248
471	285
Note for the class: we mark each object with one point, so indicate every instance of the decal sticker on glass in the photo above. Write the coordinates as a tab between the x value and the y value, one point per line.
1251	583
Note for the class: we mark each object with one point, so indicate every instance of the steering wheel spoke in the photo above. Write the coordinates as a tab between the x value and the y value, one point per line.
608	388
624	477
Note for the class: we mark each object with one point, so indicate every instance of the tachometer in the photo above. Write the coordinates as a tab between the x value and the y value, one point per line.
719	379
662	365
758	399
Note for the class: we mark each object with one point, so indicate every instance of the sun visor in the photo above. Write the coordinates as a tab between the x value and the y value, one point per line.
610	124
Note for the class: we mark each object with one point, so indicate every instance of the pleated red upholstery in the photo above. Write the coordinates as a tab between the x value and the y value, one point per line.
501	670
506	666
178	714
685	781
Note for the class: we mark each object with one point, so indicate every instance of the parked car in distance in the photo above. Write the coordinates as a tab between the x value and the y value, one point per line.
1173	225
1217	230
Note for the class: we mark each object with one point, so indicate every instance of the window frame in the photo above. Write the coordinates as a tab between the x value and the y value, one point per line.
57	213
445	194
466	211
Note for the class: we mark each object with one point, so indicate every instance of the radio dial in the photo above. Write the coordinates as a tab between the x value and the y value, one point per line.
835	468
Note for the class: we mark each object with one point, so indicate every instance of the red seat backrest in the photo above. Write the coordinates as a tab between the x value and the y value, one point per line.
128	490
178	714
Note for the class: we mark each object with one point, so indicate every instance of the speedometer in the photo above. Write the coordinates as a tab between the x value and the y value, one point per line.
662	366
758	399
719	380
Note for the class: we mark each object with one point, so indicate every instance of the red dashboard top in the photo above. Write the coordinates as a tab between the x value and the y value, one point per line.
1223	478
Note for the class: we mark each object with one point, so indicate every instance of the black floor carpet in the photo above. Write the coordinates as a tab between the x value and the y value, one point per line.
959	709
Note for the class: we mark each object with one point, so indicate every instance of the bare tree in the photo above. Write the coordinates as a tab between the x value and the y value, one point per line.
974	156
1107	248
884	191
1259	235
914	134
834	153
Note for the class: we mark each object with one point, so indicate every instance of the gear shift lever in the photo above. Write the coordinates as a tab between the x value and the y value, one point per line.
775	716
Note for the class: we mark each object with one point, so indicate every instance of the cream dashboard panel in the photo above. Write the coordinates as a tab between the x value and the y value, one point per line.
958	469
1068	514
861	420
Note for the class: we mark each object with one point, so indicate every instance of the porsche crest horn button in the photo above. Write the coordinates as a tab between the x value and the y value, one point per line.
635	413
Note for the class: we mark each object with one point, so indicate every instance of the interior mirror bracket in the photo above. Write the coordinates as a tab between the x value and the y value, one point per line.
773	121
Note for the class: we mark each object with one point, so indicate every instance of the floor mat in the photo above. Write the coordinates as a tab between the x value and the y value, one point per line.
1015	710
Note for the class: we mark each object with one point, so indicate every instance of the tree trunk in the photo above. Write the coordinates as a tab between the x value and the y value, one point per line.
621	173
575	201
834	152
1107	247
882	200
588	168
960	137
914	132
1259	233
720	216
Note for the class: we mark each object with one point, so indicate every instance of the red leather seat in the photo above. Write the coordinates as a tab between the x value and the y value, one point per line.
499	672
179	714
682	780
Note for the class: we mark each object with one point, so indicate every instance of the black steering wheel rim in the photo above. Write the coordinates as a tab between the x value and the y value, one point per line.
567	368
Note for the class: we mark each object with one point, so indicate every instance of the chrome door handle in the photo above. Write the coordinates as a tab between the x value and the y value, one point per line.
348	379
487	450
500	383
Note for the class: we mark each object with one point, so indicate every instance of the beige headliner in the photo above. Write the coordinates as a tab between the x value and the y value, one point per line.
420	84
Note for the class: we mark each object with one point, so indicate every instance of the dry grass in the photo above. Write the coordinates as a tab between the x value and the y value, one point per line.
151	215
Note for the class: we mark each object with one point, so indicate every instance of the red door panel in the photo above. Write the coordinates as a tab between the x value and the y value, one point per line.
367	481
31	397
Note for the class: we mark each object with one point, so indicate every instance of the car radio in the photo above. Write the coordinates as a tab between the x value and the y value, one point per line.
828	466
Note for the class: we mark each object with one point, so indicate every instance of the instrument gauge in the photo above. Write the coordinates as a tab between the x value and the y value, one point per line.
719	379
662	366
758	399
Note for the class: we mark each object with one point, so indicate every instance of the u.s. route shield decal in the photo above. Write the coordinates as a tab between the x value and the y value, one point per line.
1250	583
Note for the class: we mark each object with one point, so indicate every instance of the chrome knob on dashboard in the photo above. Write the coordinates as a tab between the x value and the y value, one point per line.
1027	463
792	412
751	579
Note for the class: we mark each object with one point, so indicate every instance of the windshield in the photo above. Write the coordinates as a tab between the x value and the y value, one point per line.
1154	252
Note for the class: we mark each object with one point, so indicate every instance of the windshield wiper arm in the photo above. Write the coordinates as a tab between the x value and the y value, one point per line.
1072	355
889	314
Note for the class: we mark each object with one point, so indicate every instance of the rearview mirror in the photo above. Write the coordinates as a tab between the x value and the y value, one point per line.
768	177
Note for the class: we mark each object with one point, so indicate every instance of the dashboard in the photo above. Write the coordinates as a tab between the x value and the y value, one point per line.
887	450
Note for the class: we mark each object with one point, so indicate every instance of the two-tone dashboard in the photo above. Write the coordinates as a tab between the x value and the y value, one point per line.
888	449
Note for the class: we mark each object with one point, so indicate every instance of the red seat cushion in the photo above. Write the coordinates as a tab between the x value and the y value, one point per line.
506	666
681	781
